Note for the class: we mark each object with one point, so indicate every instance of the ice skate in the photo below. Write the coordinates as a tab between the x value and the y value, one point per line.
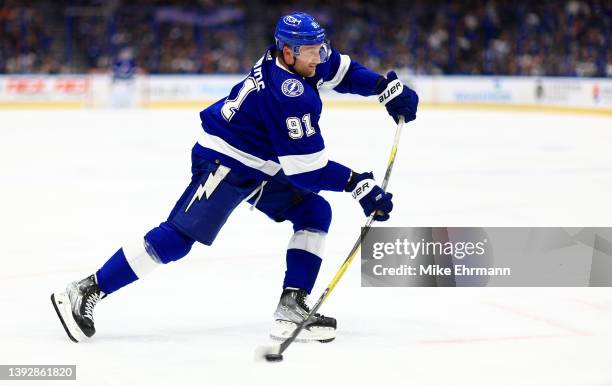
75	308
292	310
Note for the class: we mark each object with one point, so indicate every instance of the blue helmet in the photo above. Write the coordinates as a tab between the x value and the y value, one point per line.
300	29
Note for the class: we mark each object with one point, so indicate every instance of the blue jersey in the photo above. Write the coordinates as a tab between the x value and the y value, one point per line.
270	121
124	69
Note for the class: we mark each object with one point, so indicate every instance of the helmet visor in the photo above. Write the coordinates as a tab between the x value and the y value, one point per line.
322	50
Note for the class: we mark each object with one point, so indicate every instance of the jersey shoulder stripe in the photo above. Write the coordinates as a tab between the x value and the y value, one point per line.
342	66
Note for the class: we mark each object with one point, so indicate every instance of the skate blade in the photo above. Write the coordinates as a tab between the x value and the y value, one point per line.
282	329
61	304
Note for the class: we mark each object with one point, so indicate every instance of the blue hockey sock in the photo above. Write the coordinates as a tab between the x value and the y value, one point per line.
302	269
128	264
115	273
303	261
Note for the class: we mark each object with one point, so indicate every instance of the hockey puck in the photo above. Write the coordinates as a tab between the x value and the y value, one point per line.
274	357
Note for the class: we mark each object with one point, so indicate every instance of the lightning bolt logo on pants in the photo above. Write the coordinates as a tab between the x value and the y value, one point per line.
210	185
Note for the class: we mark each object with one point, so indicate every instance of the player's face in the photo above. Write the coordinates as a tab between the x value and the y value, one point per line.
308	59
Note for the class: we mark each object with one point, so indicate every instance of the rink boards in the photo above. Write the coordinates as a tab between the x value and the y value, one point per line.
555	94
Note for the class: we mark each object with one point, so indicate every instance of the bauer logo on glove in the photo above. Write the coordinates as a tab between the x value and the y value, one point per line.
399	100
362	188
393	89
371	197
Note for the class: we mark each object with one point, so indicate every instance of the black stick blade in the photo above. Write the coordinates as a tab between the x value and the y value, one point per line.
268	353
273	357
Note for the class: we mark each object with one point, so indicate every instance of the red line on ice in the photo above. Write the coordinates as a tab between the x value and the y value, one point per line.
550	322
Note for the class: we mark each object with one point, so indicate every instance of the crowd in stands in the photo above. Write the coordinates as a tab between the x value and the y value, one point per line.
27	42
501	37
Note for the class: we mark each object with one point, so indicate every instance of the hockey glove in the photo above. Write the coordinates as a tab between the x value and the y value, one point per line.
371	197
397	98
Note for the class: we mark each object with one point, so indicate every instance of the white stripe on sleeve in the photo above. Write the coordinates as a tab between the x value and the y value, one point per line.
345	63
302	163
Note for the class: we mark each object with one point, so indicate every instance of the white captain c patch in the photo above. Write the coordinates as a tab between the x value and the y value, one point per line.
292	88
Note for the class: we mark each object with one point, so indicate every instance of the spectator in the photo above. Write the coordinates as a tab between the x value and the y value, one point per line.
489	37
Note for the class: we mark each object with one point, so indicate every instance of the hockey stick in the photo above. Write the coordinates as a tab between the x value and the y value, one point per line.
274	353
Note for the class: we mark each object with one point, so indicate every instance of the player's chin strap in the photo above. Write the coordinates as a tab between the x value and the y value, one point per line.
275	352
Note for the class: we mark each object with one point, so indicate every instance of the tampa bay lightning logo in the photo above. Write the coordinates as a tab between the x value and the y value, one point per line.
292	21
292	88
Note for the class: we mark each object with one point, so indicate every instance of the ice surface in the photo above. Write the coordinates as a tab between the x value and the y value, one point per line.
76	184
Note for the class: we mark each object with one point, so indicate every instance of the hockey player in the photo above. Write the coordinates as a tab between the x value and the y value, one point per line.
261	144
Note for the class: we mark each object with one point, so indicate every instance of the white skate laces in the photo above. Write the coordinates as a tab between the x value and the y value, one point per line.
90	303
